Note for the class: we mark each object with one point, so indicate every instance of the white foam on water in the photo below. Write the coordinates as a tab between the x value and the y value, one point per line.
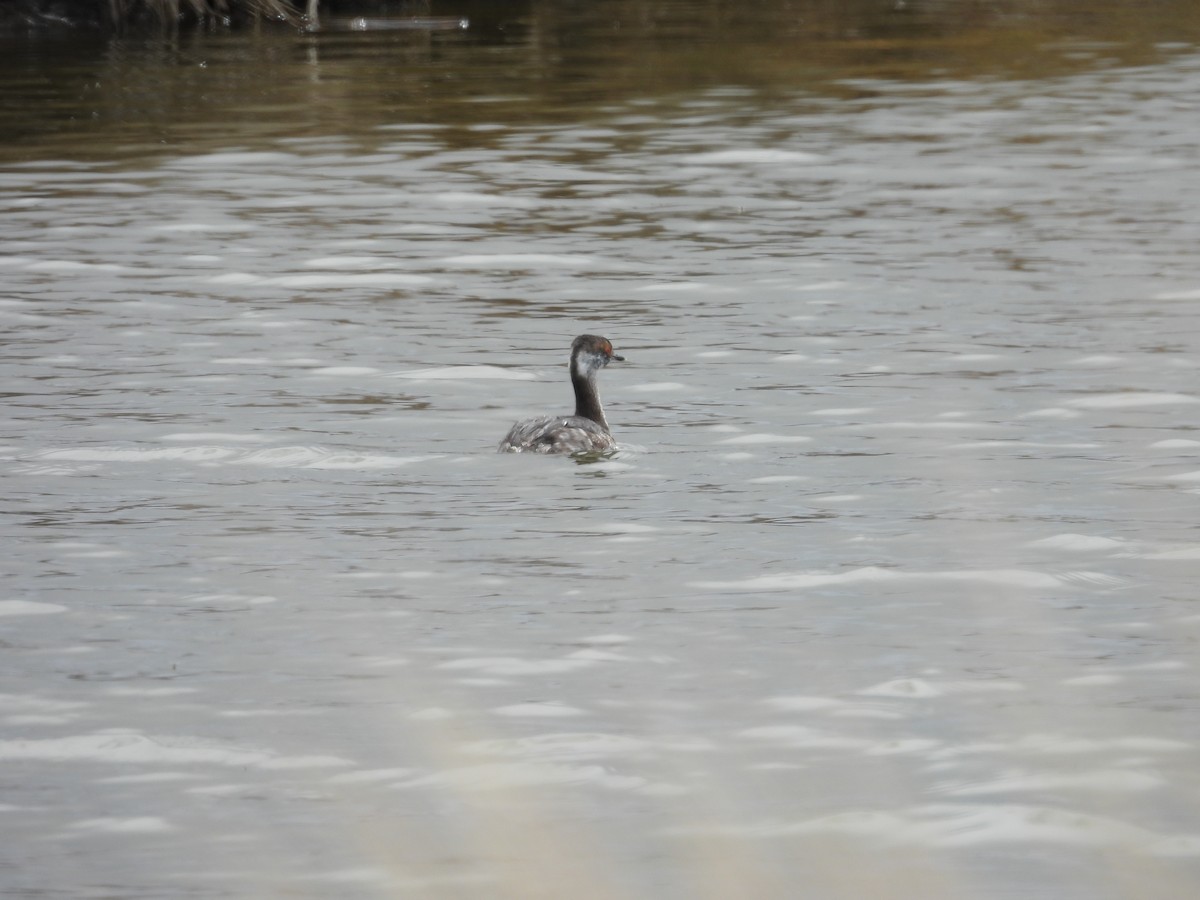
1185	477
804	703
1052	412
751	156
764	438
1100	679
901	747
1083	542
961	825
283	457
574	746
1061	744
383	662
1115	781
675	287
321	459
128	690
265	713
1193	294
844	411
121	454
918	688
56	471
29	608
57	711
1132	400
622	528
656	387
191	228
71	266
229	600
527	261
538	711
909	688
1178	553
1175	444
1022	578
131	747
778	479
227	161
1092	579
97	554
868	712
345	370
833	707
802	737
941	425
236	278
350	262
1159	665
453	373
506	776
365	461
149	778
224	790
511	665
370	776
39	719
129	825
605	639
231	437
597	655
468	198
352	279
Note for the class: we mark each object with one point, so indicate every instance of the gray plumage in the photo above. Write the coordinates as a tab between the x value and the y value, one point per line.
587	430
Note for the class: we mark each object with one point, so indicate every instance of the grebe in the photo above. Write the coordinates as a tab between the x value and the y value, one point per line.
583	432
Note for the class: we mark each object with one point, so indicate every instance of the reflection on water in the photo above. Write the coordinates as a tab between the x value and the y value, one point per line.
541	62
889	592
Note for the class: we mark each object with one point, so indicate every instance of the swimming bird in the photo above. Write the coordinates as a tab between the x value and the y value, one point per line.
587	430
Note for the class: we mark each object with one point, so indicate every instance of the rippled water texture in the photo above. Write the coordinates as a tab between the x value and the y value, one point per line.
891	591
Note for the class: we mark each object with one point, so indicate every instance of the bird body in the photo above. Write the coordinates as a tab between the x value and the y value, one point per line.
587	430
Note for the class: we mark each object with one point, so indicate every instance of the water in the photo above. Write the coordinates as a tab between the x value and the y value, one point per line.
890	592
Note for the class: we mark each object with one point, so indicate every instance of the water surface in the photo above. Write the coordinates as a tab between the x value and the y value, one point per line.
890	591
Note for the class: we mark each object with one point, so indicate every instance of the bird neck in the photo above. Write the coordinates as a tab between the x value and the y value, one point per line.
587	397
